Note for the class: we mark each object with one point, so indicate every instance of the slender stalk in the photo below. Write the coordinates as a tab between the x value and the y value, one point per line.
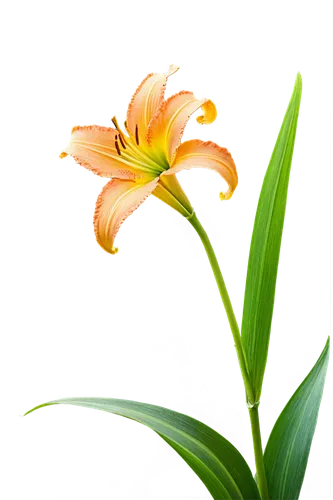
224	294
258	455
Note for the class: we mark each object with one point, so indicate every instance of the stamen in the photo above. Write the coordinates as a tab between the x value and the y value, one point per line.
137	134
122	141
117	148
124	127
115	123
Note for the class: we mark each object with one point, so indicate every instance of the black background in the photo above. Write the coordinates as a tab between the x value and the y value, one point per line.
90	325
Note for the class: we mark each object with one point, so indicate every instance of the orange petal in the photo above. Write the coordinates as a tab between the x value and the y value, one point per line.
118	199
197	153
167	126
209	113
98	149
170	191
146	101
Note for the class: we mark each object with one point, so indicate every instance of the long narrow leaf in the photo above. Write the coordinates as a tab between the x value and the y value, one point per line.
265	247
288	447
218	464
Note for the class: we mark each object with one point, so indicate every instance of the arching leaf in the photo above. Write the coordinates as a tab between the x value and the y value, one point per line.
218	464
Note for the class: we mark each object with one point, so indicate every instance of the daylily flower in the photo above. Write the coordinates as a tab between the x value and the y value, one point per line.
146	160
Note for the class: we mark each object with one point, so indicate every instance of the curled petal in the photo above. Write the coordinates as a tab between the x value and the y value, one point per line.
117	200
146	101
209	113
197	153
167	126
62	155
99	149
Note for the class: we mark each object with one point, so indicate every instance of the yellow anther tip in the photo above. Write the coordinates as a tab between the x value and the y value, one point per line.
114	250
222	196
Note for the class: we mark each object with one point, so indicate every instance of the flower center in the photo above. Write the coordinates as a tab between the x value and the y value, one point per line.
142	156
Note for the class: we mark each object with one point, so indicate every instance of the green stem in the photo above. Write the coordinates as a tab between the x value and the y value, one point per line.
258	455
224	294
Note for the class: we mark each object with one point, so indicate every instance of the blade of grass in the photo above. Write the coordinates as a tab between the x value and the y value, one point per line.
215	460
262	268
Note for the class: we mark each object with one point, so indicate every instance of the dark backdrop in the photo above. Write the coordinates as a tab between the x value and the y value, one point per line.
124	327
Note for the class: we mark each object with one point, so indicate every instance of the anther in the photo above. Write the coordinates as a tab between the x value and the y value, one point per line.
137	134
124	126
115	123
122	141
117	148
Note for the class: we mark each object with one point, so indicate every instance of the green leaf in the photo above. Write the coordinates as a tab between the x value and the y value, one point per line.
265	248
218	464
288	447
